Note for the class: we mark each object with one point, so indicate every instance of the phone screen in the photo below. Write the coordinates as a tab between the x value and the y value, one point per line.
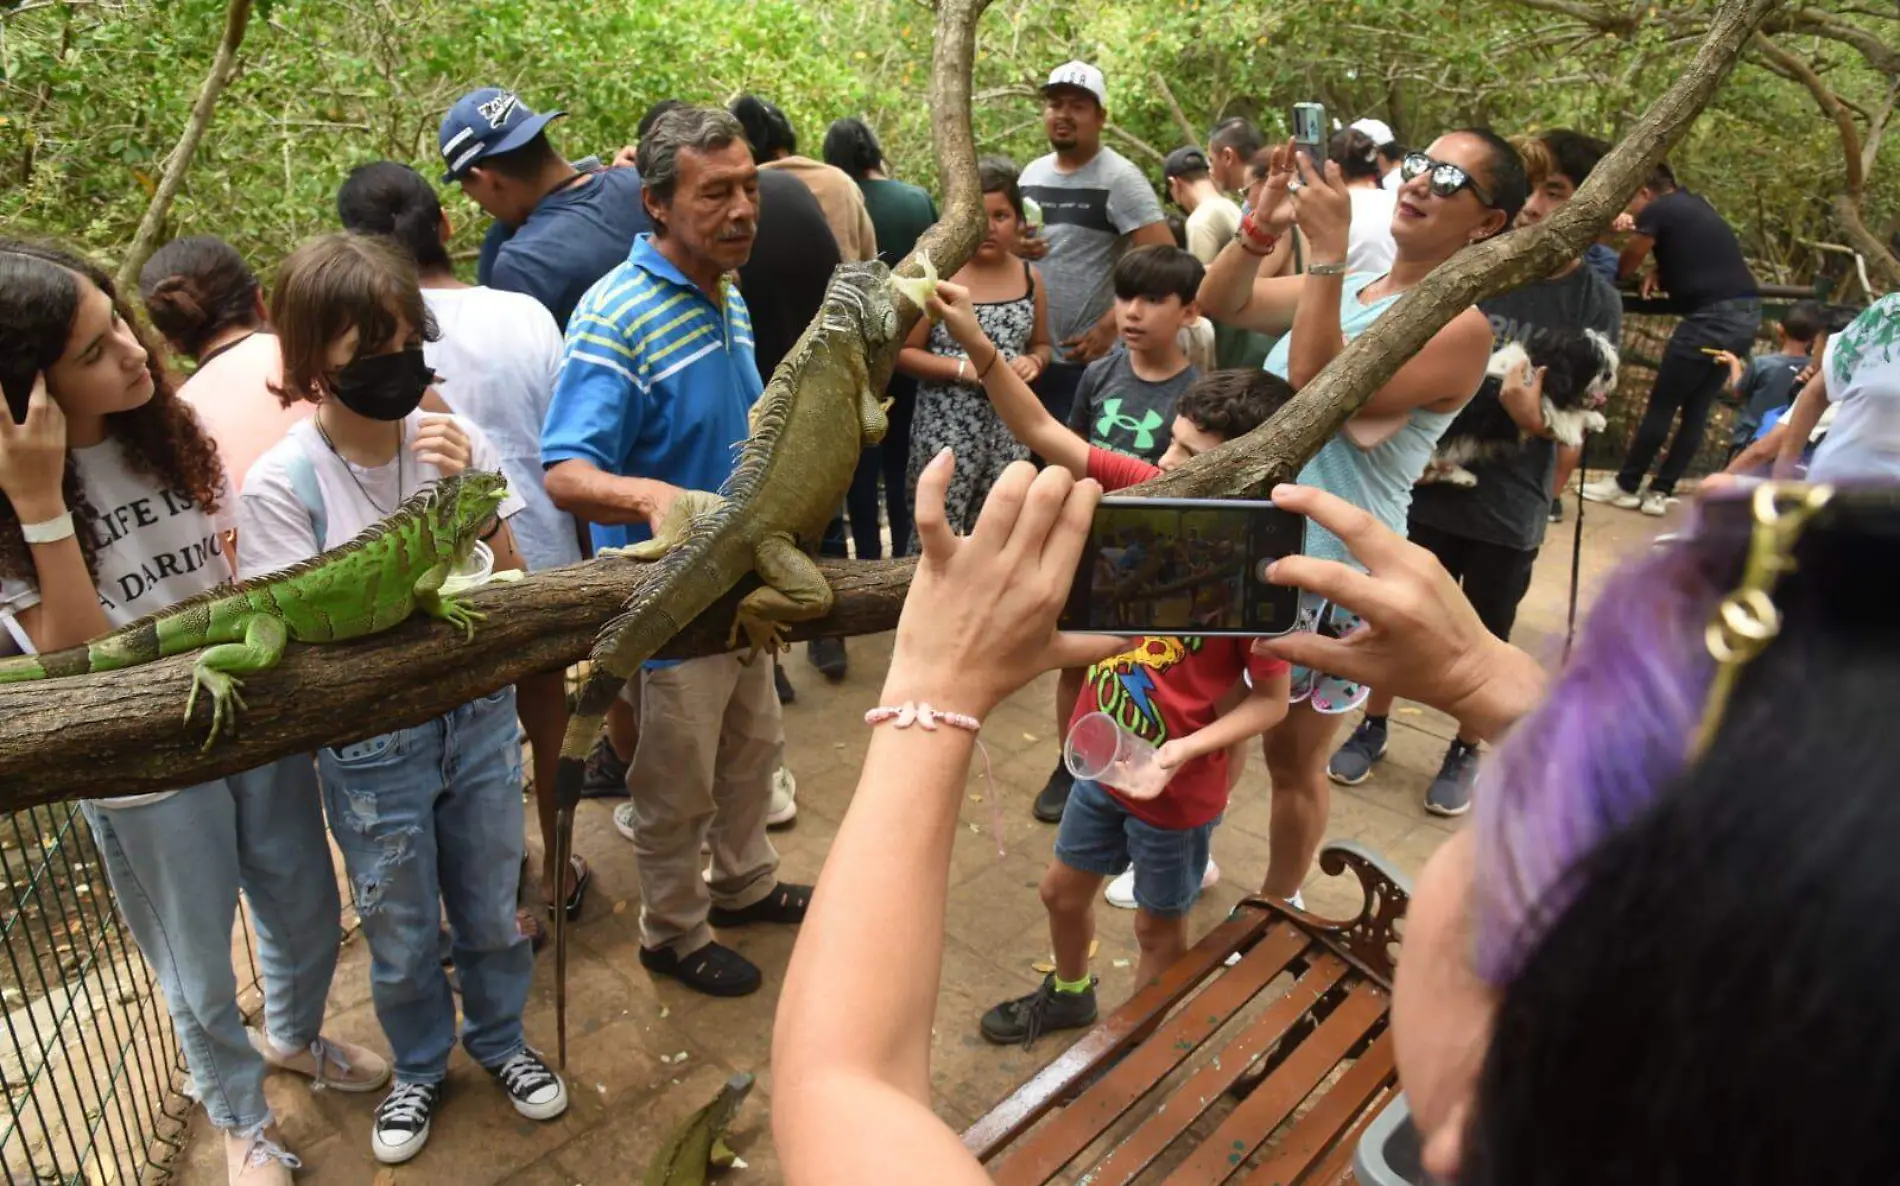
1309	130
1184	566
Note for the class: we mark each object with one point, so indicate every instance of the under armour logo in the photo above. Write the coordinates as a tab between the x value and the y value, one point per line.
1143	429
496	109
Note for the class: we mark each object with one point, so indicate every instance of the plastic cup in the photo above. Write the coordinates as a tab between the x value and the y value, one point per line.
473	571
1099	750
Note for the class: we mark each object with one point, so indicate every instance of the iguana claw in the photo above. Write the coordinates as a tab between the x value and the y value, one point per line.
223	690
458	613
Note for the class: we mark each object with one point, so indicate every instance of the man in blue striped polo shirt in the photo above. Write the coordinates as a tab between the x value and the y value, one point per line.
658	377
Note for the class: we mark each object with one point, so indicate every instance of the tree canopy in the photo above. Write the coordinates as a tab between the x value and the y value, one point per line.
94	94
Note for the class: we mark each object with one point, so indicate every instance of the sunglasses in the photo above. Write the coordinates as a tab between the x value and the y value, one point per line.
1446	179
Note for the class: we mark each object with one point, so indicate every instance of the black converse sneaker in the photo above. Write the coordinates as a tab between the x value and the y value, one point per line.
537	1092
402	1121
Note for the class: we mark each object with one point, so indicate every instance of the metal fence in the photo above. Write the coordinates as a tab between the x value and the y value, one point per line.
93	1076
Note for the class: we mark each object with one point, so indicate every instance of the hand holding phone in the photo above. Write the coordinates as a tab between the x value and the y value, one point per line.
1309	136
1173	567
33	454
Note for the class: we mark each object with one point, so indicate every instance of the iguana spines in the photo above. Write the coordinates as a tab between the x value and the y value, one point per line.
807	430
699	1140
366	585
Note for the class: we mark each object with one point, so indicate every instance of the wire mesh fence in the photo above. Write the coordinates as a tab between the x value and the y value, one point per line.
93	1076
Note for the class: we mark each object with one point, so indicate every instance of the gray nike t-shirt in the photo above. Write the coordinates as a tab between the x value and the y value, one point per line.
1087	217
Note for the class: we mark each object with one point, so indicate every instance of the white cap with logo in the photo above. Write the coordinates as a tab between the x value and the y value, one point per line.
1376	130
1080	75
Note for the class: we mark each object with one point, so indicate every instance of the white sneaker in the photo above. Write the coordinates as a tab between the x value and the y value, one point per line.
1654	504
784	807
1606	489
1121	891
338	1065
257	1161
623	819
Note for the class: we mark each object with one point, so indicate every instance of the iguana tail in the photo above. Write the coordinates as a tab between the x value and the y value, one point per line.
136	643
686	582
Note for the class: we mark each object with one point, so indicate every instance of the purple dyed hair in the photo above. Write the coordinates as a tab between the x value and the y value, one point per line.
1613	732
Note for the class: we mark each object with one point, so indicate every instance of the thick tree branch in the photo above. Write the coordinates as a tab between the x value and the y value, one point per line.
121	733
237	17
1189	134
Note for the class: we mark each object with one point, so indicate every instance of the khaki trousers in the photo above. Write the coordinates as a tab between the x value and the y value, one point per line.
711	737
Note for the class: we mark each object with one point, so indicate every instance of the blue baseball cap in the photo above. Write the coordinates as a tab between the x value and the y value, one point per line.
487	123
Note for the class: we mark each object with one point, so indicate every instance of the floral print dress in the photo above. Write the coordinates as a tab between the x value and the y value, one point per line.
959	415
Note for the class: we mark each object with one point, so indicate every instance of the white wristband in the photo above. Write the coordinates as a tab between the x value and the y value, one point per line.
49	532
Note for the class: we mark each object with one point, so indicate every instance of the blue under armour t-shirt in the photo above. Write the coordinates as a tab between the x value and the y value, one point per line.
1118	410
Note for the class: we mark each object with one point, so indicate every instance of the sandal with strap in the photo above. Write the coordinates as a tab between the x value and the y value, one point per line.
715	970
786	904
571	905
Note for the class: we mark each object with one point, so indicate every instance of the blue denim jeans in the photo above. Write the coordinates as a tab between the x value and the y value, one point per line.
1098	835
176	867
429	820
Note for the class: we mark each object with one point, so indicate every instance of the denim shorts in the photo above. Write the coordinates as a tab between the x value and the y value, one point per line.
1098	835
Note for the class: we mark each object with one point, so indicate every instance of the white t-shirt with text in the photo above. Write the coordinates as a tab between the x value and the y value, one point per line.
276	529
157	546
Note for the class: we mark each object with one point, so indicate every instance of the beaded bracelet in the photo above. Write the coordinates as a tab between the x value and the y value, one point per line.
911	712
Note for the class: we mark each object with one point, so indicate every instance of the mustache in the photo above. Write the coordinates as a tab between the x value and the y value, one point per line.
739	233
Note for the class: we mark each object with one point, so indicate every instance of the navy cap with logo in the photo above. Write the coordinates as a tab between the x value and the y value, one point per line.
487	123
1184	162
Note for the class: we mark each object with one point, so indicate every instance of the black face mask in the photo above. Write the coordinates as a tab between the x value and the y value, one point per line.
384	386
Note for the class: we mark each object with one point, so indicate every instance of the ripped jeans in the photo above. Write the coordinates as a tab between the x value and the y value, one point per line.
430	819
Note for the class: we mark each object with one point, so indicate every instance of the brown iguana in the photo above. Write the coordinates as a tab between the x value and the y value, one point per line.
699	1142
807	429
368	585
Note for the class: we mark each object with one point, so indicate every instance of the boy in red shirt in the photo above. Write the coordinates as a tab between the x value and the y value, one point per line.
1166	690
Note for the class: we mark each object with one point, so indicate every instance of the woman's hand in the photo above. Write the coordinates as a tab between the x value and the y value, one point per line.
1273	200
979	621
1419	638
1028	367
441	442
1323	209
33	458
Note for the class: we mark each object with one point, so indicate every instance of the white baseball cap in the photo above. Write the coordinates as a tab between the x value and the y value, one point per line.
1080	75
1376	131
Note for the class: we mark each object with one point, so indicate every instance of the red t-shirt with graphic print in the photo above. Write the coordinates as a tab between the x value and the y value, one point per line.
1166	688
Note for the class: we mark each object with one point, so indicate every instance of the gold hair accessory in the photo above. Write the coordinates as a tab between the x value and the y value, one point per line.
1747	619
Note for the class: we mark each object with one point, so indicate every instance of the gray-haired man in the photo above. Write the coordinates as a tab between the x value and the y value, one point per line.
658	377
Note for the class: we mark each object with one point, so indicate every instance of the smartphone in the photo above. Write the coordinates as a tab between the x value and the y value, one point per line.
19	398
1309	131
1184	566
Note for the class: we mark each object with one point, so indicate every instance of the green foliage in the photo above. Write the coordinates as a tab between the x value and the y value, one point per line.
93	97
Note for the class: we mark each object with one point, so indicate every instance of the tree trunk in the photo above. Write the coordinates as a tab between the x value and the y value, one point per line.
122	733
237	17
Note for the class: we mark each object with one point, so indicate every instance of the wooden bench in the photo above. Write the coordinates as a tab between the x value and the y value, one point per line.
1265	1072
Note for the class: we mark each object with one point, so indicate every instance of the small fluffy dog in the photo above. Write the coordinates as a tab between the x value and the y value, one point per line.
1579	374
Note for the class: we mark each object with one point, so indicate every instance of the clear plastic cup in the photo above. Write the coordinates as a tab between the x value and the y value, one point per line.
473	571
1099	750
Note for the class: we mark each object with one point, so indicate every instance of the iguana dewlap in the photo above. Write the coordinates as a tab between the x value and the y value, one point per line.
808	427
368	585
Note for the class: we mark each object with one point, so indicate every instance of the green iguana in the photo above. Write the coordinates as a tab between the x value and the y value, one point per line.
368	585
807	429
699	1142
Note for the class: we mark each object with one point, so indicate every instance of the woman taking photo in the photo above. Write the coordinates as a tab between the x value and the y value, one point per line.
1465	188
115	507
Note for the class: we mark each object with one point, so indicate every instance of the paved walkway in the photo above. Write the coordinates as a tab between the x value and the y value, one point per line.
644	1053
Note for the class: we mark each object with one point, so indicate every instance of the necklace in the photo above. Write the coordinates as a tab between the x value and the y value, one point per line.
351	469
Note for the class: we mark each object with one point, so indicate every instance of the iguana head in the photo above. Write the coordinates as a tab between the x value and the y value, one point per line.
861	301
464	506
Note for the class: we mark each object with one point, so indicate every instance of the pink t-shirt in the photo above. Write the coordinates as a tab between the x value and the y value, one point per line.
233	399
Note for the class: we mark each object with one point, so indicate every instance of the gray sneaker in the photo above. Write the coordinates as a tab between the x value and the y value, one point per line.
1450	792
1352	765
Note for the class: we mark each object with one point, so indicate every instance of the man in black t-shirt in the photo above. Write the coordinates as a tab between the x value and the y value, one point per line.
1699	265
1487	535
